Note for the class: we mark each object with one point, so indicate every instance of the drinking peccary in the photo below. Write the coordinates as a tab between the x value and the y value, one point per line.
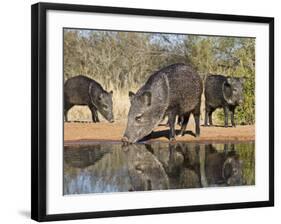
222	92
174	90
81	90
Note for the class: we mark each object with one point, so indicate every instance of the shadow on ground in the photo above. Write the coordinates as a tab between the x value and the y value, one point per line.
165	134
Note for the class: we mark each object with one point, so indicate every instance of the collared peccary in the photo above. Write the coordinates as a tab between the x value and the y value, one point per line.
146	172
173	91
81	90
223	168
222	92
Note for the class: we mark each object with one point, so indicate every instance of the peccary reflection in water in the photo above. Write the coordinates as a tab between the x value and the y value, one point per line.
223	168
195	165
82	156
145	170
115	168
98	168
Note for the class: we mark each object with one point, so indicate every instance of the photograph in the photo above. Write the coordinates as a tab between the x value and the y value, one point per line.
141	111
153	111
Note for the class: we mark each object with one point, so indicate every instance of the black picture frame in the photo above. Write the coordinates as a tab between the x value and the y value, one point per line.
39	121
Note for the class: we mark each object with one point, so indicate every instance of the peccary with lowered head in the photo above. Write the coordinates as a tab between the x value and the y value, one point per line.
222	92
173	91
81	90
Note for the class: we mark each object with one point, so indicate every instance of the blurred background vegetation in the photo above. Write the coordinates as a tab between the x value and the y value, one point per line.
122	61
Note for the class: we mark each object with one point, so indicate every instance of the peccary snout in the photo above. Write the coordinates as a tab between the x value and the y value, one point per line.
125	139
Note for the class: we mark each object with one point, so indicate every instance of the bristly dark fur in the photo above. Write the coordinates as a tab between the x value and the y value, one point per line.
222	92
81	90
173	91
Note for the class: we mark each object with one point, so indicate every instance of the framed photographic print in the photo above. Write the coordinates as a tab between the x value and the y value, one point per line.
139	111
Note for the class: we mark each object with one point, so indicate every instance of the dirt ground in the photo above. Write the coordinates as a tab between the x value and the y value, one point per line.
86	132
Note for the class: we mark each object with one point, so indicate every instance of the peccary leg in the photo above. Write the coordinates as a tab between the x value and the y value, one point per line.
67	107
197	124
94	114
65	115
232	117
184	121
225	109
171	121
210	118
208	115
196	115
180	120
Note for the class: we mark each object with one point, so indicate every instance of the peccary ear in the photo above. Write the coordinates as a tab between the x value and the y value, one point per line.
131	95
100	96
227	92
111	92
229	80
146	98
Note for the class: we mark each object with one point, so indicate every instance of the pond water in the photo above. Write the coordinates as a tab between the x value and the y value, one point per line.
113	167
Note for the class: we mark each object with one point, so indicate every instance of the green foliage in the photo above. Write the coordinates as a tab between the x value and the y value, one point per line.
246	154
239	61
228	56
123	61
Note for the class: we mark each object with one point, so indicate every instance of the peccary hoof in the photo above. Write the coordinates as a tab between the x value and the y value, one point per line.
172	139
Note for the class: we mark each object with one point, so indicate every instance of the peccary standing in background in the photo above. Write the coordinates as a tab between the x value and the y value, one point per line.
173	91
81	90
222	92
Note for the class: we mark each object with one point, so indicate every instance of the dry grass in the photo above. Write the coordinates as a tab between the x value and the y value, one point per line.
121	105
80	113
